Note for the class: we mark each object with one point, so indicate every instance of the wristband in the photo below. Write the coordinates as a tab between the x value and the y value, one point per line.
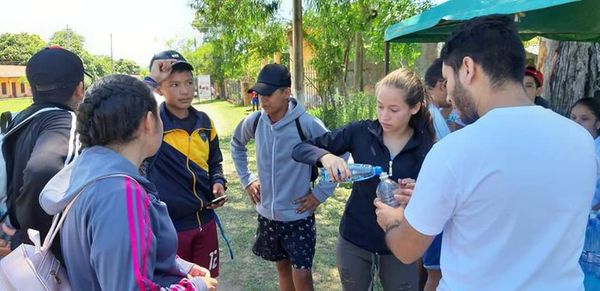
150	82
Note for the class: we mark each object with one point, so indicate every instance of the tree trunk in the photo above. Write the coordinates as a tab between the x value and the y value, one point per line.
359	59
297	46
571	72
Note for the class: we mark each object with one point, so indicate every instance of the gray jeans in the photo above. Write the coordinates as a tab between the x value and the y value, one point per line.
358	267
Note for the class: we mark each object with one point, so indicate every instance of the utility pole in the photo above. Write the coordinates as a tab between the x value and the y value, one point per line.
112	66
298	76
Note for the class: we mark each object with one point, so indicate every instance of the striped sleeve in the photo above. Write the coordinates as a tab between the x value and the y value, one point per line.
122	228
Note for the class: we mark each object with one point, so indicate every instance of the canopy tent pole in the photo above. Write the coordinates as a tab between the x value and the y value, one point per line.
386	54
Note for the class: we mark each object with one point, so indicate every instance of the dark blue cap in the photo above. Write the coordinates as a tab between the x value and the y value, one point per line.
271	78
180	61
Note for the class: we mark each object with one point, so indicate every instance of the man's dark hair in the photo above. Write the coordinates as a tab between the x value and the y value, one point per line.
113	109
493	43
434	73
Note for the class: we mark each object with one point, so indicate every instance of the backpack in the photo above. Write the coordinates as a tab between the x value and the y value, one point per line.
34	267
6	119
314	171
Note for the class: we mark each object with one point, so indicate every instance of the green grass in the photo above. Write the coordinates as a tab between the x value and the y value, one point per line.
246	271
14	104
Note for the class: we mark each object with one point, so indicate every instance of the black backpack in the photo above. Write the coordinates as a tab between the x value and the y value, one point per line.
314	171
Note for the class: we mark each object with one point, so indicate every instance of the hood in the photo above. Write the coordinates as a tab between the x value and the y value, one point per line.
93	163
295	109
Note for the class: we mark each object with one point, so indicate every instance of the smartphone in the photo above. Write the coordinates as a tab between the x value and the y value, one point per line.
218	199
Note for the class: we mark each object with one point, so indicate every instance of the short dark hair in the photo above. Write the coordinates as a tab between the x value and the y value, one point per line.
493	43
113	109
434	73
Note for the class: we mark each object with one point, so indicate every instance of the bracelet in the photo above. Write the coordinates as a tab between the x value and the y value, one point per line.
394	224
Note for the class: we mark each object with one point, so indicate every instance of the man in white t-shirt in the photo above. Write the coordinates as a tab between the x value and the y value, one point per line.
511	191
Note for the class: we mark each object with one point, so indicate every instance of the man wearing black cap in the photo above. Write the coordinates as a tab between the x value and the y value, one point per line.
187	169
44	141
282	190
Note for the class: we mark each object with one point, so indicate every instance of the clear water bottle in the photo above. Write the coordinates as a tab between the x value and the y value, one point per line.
358	172
385	190
590	257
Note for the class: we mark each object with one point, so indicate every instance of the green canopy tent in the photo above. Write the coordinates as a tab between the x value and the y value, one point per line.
570	20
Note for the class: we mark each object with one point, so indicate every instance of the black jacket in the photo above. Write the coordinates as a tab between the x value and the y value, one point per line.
364	140
34	154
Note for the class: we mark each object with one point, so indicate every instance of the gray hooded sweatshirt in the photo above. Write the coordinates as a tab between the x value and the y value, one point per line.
282	180
117	235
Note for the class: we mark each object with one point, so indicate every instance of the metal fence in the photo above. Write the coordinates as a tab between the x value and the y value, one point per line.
233	92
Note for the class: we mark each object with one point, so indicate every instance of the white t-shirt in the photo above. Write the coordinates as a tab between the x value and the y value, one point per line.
511	193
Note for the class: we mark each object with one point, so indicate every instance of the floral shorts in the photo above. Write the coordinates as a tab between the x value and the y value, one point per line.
292	240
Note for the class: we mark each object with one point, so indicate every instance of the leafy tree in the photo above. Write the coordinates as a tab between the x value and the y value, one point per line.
334	27
240	33
123	66
68	39
16	49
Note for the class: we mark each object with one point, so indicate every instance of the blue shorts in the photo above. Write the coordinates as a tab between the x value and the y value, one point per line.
254	101
292	240
431	257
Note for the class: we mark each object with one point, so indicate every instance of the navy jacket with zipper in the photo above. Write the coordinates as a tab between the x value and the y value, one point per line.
364	140
185	169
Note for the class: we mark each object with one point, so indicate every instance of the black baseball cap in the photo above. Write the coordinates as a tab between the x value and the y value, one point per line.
271	78
180	61
53	70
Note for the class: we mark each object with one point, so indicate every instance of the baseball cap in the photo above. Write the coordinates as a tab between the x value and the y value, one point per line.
537	75
171	54
54	69
271	78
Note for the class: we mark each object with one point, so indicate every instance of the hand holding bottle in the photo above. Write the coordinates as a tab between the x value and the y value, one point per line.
404	191
336	167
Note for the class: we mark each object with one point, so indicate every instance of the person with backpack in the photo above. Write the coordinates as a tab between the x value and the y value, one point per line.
397	141
187	169
282	191
41	139
117	234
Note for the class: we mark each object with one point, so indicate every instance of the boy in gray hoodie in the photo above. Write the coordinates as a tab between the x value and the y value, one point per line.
282	191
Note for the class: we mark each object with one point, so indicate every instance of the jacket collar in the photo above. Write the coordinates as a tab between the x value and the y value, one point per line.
376	130
169	123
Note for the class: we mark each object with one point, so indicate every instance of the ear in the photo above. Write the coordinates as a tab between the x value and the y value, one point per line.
159	91
467	70
415	109
79	92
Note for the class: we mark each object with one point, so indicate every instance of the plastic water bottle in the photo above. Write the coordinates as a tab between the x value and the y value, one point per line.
358	172
590	257
385	190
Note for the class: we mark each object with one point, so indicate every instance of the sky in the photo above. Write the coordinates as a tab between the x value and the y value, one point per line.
139	28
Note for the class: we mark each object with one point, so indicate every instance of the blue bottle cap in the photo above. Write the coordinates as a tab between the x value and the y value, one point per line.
377	170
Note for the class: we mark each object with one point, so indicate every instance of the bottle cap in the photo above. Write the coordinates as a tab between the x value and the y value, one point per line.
383	176
378	170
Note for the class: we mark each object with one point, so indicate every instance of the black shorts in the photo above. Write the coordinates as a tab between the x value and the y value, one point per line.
293	240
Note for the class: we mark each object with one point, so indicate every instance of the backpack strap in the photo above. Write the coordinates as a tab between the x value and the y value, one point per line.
5	120
314	171
27	120
299	128
255	123
59	219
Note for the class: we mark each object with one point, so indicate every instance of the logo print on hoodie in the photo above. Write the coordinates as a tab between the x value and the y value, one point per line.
203	136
